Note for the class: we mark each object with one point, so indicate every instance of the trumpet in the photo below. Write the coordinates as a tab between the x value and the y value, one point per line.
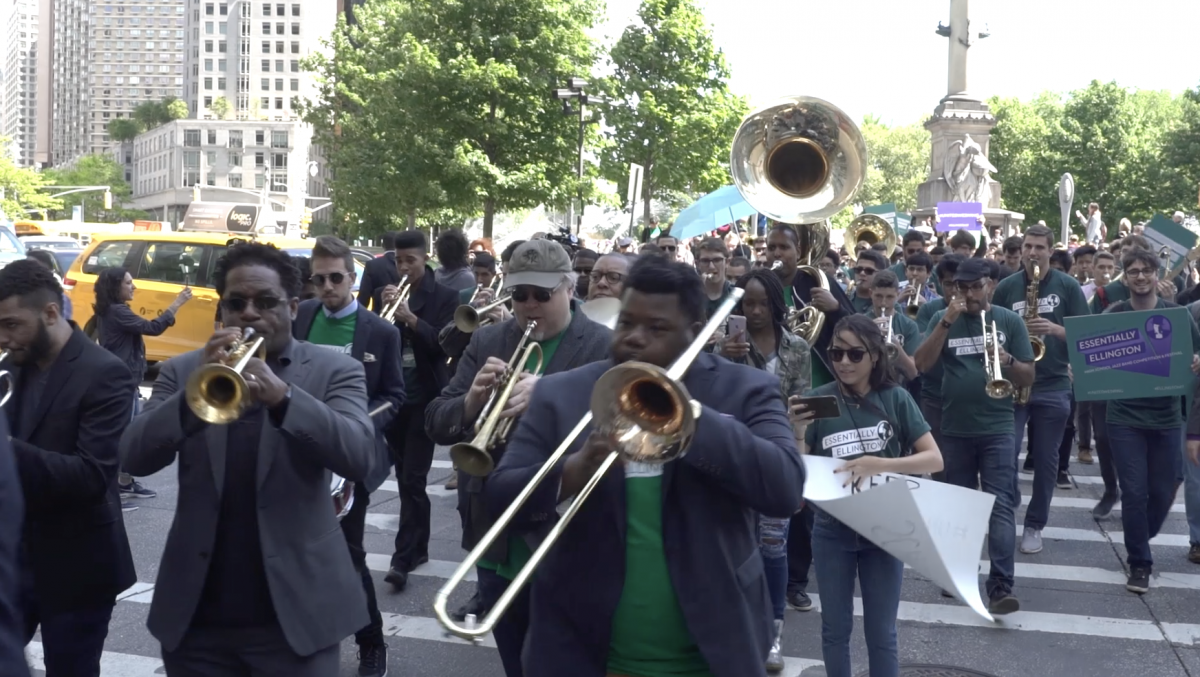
468	318
474	457
997	386
217	393
892	350
10	383
914	304
776	265
647	409
403	290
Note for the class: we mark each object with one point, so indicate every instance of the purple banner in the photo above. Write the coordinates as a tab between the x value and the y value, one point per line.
1142	351
959	216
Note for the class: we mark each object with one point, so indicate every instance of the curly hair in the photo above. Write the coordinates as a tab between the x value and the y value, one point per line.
451	249
32	283
258	254
653	274
772	286
108	289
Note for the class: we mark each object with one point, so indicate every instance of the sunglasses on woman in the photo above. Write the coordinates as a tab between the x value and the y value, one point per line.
856	355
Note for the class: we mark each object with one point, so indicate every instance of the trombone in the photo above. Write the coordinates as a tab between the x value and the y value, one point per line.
473	457
403	290
6	377
651	415
997	386
217	393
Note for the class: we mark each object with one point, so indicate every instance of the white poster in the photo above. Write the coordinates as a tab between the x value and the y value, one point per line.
933	527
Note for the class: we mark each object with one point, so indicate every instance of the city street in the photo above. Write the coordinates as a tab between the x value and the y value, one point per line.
1076	618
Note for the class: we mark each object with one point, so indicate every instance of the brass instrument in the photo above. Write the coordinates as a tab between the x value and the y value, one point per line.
997	386
403	290
871	229
604	310
6	377
776	265
1164	257
1031	309
892	350
647	409
341	490
474	457
468	318
800	161
218	393
914	304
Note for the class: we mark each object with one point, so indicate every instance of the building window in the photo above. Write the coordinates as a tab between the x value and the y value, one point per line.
208	9
278	103
208	46
295	10
221	84
210	156
259	180
266	65
266	10
235	159
295	29
207	65
259	137
221	46
279	139
220	65
212	139
266	47
266	28
278	160
235	140
280	10
235	180
279	29
279	48
211	179
208	28
295	66
260	159
295	85
207	102
207	83
295	48
279	84
224	9
191	138
266	84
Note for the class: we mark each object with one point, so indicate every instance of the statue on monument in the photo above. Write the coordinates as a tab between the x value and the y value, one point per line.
967	172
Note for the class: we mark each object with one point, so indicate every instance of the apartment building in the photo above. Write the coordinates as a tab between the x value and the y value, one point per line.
24	86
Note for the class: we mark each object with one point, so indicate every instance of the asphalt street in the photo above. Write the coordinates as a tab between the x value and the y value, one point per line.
1076	618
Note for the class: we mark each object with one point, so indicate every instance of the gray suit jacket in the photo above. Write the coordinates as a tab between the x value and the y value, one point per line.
317	594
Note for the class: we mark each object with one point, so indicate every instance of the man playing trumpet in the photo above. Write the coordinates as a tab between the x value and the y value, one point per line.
898	330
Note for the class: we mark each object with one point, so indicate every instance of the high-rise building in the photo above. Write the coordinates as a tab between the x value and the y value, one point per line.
25	113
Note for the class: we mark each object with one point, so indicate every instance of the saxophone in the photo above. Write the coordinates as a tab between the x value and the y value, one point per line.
1031	313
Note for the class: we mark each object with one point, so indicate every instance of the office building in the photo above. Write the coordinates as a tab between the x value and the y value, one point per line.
25	112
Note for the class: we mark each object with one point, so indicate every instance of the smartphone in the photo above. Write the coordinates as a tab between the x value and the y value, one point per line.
822	407
735	326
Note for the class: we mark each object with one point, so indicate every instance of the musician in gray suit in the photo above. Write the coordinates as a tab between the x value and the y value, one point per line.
541	281
256	578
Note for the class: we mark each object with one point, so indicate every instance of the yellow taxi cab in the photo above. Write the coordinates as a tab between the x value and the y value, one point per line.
162	264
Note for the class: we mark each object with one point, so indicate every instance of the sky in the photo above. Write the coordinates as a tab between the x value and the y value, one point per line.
882	57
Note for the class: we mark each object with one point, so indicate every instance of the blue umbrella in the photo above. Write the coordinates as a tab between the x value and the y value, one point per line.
723	205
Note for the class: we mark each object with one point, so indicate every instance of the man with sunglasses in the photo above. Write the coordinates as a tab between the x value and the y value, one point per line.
337	322
869	263
976	428
430	307
541	280
669	246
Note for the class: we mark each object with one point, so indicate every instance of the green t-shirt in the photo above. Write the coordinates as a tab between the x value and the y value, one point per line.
931	381
967	410
886	423
900	268
1114	292
1059	296
333	333
650	637
1155	413
861	304
519	551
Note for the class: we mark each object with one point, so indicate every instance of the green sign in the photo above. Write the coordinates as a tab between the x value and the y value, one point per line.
1163	232
1124	356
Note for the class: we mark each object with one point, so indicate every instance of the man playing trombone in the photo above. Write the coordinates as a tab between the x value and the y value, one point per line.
541	282
659	572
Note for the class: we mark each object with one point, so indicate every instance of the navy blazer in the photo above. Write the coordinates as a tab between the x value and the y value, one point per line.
742	461
377	347
377	274
12	517
434	305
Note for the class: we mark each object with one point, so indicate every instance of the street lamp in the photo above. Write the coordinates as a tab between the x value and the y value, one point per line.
576	89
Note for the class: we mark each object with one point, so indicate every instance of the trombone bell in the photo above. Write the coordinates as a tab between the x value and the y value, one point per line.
218	393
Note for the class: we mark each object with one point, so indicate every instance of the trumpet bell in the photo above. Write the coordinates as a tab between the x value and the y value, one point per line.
999	389
466	319
216	393
649	414
471	459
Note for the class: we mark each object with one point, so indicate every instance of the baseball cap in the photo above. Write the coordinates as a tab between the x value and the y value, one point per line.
625	242
972	270
538	263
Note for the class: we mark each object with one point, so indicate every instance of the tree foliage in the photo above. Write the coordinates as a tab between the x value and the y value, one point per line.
220	107
123	129
897	162
22	187
151	114
95	170
427	105
671	111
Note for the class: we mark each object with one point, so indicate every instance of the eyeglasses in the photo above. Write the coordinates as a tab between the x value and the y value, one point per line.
864	270
856	355
336	278
1140	272
710	262
612	277
238	304
969	286
540	294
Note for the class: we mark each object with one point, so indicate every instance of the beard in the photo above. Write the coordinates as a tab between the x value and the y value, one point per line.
39	348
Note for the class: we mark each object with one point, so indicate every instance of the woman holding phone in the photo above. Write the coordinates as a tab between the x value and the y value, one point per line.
757	337
878	422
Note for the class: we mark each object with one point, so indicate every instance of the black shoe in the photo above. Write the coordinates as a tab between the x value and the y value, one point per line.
947	593
1194	553
1063	482
423	559
1139	580
1105	507
798	600
473	606
397	577
372	660
135	490
1028	466
1002	603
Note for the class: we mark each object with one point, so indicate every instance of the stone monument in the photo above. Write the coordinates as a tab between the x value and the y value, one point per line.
960	131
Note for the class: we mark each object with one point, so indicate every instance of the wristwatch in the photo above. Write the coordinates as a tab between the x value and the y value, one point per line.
945	324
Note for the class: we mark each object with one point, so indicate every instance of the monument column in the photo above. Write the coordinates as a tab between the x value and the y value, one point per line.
960	42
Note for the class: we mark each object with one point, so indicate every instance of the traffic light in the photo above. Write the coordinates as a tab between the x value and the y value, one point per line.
307	218
107	200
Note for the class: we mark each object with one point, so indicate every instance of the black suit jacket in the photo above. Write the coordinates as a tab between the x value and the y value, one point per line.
12	515
78	553
802	286
434	305
377	274
377	346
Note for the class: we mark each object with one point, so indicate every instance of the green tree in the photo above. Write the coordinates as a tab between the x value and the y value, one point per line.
450	106
1025	152
22	187
151	114
897	162
1182	150
96	170
123	129
220	107
671	112
176	109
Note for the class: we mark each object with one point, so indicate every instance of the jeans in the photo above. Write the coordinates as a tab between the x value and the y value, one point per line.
412	452
1068	438
931	409
1191	498
988	459
353	525
841	557
799	547
512	627
72	641
1147	463
772	544
1045	415
1108	469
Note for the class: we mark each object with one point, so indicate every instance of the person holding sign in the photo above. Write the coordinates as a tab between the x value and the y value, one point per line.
976	428
878	423
1145	435
1058	296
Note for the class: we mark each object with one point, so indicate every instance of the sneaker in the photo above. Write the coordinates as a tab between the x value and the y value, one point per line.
1139	580
1085	457
775	656
1105	507
1064	482
1002	603
135	490
1031	541
372	660
799	601
126	506
398	578
1194	553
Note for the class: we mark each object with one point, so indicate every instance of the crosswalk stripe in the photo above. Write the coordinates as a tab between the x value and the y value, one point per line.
1064	534
112	664
1086	503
